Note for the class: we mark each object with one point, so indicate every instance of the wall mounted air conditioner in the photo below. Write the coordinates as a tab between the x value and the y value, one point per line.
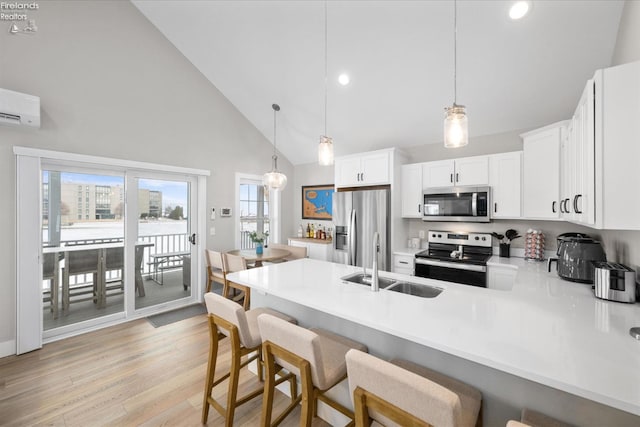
19	109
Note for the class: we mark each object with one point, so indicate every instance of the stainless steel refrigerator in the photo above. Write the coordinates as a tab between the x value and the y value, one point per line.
357	215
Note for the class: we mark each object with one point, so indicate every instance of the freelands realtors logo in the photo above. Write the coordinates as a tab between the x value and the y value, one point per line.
18	12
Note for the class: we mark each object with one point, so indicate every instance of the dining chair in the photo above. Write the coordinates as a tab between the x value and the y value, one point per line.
232	264
50	268
530	418
295	252
76	263
216	271
114	262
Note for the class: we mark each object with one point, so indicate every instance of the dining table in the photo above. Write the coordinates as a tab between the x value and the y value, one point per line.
268	254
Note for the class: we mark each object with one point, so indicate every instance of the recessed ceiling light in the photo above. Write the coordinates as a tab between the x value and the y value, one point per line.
519	9
343	79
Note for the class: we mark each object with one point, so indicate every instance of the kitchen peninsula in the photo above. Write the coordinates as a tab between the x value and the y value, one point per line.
545	344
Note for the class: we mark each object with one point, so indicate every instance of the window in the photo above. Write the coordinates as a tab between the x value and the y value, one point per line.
256	209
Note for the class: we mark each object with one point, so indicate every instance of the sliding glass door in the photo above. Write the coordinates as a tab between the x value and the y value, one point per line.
164	239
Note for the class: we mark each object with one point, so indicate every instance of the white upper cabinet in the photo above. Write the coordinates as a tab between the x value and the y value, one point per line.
363	169
411	186
505	171
449	173
541	171
601	151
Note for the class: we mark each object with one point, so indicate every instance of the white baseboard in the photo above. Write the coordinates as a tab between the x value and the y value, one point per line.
7	348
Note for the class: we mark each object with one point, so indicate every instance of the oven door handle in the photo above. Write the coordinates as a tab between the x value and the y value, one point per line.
455	265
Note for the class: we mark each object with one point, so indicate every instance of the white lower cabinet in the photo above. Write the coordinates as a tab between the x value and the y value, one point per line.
320	250
403	263
501	278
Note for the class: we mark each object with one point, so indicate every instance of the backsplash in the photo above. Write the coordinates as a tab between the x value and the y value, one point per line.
620	246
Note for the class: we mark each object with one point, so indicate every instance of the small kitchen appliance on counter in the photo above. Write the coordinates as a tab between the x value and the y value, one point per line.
534	245
614	282
575	255
455	257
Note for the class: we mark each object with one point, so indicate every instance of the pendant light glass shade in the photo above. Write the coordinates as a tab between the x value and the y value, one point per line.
274	179
456	124
456	127
325	151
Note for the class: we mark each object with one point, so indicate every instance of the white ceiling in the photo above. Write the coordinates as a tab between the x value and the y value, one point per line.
511	74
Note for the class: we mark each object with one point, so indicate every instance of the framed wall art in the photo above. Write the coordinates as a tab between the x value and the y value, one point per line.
317	202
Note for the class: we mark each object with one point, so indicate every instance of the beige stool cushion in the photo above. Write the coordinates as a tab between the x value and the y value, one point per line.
415	394
512	423
537	419
245	321
323	350
470	397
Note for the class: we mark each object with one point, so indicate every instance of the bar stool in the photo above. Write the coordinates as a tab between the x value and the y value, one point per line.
230	319
530	418
316	355
402	393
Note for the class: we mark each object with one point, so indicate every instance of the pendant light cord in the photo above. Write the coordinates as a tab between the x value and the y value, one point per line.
455	51
276	108
326	68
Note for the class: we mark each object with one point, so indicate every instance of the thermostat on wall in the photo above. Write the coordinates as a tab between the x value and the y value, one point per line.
225	211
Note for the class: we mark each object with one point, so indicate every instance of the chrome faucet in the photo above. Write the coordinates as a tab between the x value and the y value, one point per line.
375	286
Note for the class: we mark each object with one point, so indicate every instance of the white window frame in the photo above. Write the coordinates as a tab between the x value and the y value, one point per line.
274	209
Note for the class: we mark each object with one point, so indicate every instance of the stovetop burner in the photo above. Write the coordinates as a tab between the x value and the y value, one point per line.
476	247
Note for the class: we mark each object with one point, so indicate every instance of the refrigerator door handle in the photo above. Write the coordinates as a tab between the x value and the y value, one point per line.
352	238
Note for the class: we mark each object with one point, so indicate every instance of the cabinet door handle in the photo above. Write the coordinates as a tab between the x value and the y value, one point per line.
562	209
567	209
362	176
403	262
419	208
553	206
457	177
495	207
575	203
452	178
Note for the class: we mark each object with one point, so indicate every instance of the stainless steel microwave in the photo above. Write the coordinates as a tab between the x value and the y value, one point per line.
469	204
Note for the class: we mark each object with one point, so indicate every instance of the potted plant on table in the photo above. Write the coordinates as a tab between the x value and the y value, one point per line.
505	241
258	239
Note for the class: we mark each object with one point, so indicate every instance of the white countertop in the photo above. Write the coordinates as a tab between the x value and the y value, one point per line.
545	329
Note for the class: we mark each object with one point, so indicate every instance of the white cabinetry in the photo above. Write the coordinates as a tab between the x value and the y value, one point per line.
449	173
403	263
321	250
411	187
541	171
600	154
505	178
363	169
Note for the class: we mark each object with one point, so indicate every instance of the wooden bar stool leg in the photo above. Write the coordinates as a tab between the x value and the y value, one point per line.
308	398
269	388
234	376
211	370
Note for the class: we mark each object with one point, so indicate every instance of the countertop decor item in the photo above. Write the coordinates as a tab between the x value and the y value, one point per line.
274	179
505	241
534	245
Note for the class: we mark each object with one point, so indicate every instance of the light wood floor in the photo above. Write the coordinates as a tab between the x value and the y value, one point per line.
127	375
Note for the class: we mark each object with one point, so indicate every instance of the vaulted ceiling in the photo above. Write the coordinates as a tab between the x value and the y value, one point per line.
399	55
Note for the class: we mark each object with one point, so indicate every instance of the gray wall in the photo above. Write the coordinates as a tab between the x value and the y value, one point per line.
112	85
628	42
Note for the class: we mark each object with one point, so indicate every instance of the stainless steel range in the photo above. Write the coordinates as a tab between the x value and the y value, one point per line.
455	257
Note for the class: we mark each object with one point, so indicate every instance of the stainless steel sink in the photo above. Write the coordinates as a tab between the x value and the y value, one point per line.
419	290
361	279
409	288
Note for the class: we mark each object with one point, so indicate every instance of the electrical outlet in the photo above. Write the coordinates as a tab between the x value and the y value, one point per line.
212	231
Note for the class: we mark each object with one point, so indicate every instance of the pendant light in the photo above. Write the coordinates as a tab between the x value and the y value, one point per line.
274	179
456	125
325	148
